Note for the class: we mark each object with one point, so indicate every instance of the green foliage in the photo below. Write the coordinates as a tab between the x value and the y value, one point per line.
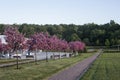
74	37
107	43
97	43
2	27
86	40
92	34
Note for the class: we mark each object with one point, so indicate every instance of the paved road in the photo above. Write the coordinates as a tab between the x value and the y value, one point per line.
75	72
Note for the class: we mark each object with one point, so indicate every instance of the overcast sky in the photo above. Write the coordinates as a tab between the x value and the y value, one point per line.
59	11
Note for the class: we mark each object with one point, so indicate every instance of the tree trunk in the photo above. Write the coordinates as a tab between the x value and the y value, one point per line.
17	59
46	57
35	56
53	56
59	55
9	54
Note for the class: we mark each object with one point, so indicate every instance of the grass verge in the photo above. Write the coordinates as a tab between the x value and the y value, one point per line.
106	67
42	70
2	61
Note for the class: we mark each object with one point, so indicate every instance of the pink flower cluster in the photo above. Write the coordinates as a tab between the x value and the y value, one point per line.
39	41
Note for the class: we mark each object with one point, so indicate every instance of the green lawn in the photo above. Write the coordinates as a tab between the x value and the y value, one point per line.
2	61
42	70
106	67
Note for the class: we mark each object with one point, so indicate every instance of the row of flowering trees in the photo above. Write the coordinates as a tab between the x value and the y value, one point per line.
38	41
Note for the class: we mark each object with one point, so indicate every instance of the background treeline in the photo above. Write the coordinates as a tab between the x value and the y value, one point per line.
92	34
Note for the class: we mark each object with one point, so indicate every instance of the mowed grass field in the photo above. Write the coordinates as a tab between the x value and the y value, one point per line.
106	67
41	71
2	61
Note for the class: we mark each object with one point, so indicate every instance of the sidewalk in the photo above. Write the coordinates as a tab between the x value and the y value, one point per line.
76	71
